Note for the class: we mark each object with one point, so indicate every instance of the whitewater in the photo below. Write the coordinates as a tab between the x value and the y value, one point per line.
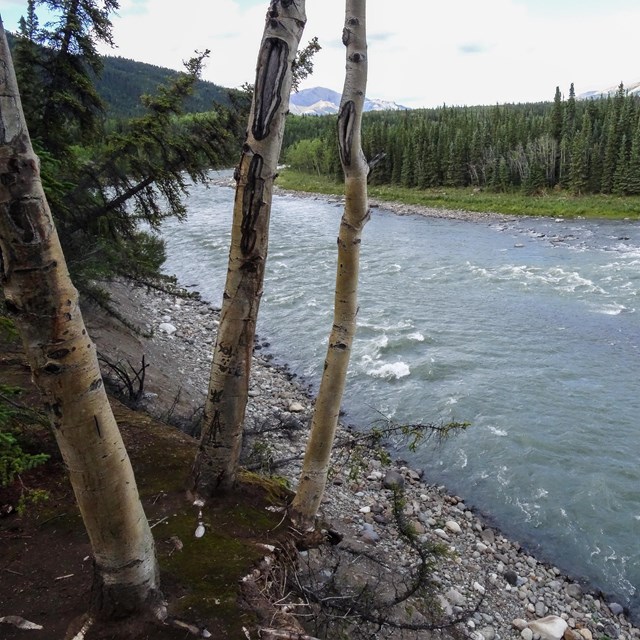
527	328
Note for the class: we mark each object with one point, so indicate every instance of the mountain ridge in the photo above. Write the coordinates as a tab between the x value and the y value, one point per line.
633	88
322	101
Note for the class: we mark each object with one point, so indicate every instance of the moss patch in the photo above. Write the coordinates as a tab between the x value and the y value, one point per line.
46	554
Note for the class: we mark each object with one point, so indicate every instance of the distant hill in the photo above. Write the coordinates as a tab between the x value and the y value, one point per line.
322	101
123	81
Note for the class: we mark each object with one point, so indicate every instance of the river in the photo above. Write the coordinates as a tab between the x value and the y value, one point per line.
527	328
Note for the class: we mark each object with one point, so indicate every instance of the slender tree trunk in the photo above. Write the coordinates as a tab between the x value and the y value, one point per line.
356	213
44	304
217	460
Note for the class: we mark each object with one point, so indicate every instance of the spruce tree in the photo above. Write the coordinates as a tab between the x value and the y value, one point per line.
99	185
579	173
633	177
621	175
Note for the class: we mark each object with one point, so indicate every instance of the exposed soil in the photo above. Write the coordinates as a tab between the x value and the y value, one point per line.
45	557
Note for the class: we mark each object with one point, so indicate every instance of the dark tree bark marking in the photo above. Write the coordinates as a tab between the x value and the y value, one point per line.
252	200
59	354
95	419
346	130
272	65
20	216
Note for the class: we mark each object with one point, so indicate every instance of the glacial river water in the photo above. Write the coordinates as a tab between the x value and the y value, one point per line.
529	329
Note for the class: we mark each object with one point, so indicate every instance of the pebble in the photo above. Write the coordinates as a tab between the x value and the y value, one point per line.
393	480
478	555
453	526
167	327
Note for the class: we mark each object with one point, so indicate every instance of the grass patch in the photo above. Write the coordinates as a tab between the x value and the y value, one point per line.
554	204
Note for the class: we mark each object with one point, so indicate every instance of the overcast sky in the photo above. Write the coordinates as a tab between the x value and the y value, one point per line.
421	53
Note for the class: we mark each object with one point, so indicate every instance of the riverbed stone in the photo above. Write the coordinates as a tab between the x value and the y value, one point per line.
453	526
488	633
549	628
511	577
468	561
574	591
393	480
168	328
456	598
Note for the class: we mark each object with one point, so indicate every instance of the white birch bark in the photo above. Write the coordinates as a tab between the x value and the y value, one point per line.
217	460
44	305
315	468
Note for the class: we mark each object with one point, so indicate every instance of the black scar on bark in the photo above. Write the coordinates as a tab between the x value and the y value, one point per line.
58	354
19	213
346	130
251	204
273	65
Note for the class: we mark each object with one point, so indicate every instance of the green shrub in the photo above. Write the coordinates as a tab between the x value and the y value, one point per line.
13	460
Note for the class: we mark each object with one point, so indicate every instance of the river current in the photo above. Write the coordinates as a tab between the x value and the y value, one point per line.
527	328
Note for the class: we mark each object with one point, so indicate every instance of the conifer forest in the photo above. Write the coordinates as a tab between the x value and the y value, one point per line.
582	146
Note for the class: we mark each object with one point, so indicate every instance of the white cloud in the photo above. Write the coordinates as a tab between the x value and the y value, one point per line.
151	31
422	53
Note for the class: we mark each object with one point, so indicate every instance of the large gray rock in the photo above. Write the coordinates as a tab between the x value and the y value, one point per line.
368	534
393	480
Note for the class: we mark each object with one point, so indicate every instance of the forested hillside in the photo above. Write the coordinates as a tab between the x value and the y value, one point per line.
123	81
590	146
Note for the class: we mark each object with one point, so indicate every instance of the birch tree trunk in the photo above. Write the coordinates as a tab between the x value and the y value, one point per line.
218	456
44	305
315	467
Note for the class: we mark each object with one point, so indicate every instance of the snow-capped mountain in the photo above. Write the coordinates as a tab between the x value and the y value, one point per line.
632	88
320	101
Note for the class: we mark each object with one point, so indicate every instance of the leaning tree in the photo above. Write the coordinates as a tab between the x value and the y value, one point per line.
218	456
43	303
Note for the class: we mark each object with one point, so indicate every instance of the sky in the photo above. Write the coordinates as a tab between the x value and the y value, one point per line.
421	54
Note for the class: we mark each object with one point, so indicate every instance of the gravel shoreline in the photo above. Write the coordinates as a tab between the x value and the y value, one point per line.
522	598
517	590
399	208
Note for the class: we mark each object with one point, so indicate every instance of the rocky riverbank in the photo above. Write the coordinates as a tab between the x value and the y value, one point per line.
516	595
399	208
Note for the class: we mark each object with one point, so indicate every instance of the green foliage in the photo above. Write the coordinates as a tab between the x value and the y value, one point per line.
302	66
308	156
13	460
354	450
7	327
123	82
110	187
558	204
585	146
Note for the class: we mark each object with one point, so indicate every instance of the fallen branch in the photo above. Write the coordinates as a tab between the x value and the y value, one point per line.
279	634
